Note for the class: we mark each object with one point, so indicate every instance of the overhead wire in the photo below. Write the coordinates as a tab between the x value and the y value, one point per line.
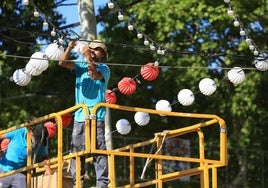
139	47
130	65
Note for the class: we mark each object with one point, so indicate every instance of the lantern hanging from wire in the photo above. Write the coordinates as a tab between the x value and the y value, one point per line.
142	118
127	86
21	78
207	86
54	51
110	97
149	71
123	126
186	97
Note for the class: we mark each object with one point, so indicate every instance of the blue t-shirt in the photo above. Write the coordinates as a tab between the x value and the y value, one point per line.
88	91
15	156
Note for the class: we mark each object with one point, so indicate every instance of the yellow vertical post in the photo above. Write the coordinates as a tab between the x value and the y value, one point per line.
87	135
60	146
93	126
214	177
201	155
131	166
29	157
78	169
223	143
112	171
159	163
206	175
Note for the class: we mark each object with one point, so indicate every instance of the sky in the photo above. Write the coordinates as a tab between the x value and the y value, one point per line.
71	12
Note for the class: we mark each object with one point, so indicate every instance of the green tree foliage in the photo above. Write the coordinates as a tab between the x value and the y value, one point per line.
197	32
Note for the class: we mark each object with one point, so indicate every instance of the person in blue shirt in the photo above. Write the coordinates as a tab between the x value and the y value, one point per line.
92	78
15	156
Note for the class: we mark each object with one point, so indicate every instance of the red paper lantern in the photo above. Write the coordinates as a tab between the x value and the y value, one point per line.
51	129
4	144
66	119
110	96
149	71
127	86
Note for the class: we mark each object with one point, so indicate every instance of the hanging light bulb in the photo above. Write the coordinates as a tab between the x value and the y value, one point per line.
130	27
61	41
156	63
139	35
230	11
25	2
53	32
251	47
110	5
146	42
256	52
45	25
242	32
159	51
152	47
236	22
248	40
36	13
120	16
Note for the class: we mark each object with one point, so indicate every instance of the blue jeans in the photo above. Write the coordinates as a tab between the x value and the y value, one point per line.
100	161
17	180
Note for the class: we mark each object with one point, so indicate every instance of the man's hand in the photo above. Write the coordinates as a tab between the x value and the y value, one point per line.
48	170
88	53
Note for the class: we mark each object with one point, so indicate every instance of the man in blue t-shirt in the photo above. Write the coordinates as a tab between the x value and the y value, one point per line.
15	156
91	83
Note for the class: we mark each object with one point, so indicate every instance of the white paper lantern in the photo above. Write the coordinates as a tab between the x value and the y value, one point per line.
54	51
163	105
236	75
123	126
261	62
207	86
37	64
21	78
31	70
79	46
186	97
261	65
142	118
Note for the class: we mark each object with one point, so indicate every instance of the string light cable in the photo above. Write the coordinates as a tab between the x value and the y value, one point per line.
128	85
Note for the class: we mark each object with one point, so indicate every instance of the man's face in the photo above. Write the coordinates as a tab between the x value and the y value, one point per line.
97	54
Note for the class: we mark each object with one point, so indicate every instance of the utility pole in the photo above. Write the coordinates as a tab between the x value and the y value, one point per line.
87	17
88	31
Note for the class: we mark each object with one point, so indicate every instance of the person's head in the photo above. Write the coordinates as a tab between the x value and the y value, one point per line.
42	132
39	135
99	49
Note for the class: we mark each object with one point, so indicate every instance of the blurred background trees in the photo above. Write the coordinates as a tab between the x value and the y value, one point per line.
201	42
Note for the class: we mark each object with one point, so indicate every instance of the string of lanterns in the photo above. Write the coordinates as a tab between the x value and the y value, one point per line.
185	96
38	63
123	126
150	71
261	58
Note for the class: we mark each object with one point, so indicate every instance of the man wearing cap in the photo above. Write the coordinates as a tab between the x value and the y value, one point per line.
15	156
92	78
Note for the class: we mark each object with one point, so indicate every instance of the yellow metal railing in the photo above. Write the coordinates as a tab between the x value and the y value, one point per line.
202	168
129	151
57	162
